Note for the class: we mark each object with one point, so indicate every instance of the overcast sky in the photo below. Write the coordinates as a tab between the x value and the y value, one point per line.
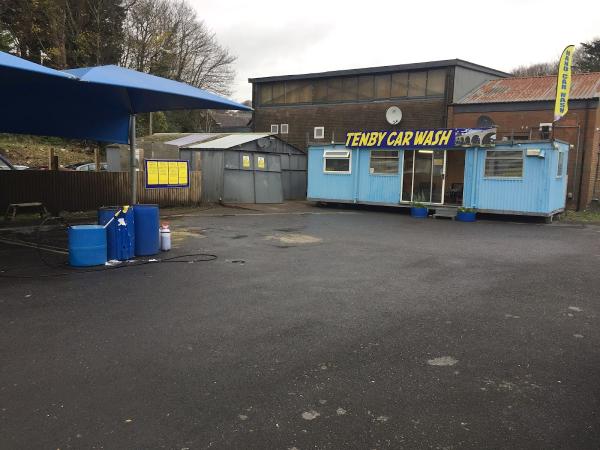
271	37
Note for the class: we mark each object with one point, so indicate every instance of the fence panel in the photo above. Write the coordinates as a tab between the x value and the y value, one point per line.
80	191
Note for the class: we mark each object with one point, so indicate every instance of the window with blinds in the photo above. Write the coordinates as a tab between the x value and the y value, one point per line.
504	164
384	162
561	163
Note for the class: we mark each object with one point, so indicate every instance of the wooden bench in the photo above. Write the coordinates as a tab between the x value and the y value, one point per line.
11	211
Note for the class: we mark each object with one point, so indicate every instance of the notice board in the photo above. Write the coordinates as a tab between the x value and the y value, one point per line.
167	173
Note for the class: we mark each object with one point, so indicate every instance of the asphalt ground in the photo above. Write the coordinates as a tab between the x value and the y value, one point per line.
314	328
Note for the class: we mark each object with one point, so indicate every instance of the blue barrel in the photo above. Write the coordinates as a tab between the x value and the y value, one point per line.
120	239
87	245
147	228
419	212
466	216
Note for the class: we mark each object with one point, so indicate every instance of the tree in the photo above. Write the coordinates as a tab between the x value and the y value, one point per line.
536	70
166	38
6	41
95	31
161	37
587	57
64	33
25	24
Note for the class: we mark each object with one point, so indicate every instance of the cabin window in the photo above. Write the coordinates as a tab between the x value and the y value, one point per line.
561	163
504	164
336	161
384	162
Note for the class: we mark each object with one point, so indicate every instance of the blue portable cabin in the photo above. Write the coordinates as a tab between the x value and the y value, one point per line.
514	177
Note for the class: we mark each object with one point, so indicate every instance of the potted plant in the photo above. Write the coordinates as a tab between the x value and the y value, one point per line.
419	210
466	214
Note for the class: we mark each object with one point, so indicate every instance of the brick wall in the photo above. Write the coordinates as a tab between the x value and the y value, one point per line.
581	164
340	118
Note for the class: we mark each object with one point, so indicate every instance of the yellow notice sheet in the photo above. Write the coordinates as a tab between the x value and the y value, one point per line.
183	172
173	172
152	173
163	172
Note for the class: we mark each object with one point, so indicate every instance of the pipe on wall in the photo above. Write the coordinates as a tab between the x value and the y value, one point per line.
132	171
585	125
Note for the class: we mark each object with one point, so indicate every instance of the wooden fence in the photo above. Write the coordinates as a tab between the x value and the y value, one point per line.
80	191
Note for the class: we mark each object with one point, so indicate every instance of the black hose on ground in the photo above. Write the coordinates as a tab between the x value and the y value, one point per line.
188	259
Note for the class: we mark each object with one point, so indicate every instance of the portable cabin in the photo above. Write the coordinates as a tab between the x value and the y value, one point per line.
245	167
524	178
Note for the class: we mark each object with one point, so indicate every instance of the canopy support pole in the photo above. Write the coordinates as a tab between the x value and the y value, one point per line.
132	171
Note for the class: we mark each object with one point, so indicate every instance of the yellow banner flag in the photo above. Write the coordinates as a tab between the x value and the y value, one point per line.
563	83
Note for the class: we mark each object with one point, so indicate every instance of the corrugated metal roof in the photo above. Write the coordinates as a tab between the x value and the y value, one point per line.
222	141
189	139
532	89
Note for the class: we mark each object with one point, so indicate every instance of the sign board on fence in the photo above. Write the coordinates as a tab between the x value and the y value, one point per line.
163	173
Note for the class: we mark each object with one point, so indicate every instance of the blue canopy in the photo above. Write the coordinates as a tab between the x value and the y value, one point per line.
11	65
92	103
148	93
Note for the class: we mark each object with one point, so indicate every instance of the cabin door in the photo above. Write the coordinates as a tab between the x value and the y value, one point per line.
423	177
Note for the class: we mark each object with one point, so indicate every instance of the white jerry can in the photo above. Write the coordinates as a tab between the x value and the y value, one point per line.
165	237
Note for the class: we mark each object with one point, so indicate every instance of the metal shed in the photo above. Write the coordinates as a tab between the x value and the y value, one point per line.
245	167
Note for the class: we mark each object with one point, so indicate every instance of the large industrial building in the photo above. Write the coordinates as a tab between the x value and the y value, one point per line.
320	108
323	107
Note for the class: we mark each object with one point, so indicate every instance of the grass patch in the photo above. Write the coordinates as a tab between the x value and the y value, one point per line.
33	151
587	216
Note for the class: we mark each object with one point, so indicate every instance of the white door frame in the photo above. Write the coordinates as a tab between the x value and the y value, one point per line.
412	178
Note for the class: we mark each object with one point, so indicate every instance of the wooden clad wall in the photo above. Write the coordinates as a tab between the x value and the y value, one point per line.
80	191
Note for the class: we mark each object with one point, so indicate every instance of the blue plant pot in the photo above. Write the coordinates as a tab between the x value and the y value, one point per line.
463	216
419	213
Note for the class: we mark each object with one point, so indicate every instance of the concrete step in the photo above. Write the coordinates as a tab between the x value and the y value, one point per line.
446	212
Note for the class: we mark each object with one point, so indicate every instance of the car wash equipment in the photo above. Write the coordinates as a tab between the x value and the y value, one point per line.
87	245
120	231
147	227
165	237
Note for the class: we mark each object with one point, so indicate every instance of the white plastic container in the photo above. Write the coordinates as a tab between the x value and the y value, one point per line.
165	237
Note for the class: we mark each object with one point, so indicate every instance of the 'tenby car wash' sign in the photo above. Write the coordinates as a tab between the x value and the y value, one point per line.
436	138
